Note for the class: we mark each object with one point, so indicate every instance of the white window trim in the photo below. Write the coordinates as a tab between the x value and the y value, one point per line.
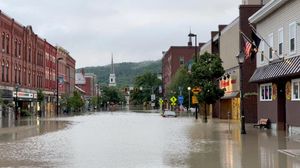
263	85
292	52
280	30
271	43
292	91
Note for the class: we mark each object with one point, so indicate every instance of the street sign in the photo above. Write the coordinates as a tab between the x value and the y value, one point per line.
173	104
194	100
173	99
196	90
152	97
180	100
161	101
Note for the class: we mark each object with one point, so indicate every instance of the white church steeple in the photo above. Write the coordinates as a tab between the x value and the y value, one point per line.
112	76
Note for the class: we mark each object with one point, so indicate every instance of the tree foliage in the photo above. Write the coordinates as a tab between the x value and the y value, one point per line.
75	102
181	81
112	95
145	84
40	96
204	74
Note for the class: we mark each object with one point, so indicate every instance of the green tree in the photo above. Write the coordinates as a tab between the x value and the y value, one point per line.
204	74
75	102
112	95
180	83
145	84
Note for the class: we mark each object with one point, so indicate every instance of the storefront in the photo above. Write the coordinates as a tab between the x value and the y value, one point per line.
229	105
279	93
26	102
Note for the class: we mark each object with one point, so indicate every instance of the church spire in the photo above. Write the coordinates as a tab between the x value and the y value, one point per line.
112	64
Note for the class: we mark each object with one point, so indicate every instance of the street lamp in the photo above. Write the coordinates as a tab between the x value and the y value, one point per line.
16	102
189	89
196	46
58	59
241	59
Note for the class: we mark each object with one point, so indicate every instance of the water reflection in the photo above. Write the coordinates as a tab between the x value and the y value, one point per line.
126	139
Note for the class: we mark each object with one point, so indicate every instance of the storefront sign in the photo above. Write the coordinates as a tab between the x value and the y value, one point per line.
24	95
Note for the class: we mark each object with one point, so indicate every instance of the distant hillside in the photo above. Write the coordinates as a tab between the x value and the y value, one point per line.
125	72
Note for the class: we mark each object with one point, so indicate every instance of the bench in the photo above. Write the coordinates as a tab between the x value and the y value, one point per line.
263	123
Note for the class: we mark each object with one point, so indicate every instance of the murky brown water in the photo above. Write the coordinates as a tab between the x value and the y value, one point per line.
143	140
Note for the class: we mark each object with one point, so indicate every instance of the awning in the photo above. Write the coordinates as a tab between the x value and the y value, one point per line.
230	95
286	67
79	89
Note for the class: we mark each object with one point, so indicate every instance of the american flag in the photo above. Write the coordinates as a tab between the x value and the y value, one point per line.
247	47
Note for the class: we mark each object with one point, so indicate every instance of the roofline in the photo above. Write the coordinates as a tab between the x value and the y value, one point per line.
266	10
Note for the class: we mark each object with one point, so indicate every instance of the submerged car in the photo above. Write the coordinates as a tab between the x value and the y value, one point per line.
169	113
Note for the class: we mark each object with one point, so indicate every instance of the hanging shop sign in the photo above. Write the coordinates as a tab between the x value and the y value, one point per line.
24	95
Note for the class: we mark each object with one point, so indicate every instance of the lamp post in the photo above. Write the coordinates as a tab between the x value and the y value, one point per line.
189	89
196	60
241	59
196	46
58	59
16	102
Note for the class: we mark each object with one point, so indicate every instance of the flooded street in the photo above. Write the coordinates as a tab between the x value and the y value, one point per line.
128	139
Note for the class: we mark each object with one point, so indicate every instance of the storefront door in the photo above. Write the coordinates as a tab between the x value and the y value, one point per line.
281	105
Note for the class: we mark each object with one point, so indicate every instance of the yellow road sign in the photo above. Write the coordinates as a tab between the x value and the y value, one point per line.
196	90
161	101
194	100
173	99
173	104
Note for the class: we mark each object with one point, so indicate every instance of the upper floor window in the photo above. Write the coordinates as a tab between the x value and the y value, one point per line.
271	46
181	60
280	41
7	44
262	50
3	42
266	92
292	38
29	54
20	48
16	47
295	89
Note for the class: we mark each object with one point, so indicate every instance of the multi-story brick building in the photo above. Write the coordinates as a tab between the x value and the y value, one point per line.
28	63
172	59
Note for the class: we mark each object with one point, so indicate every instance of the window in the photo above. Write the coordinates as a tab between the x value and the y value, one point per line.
266	92
16	48
181	61
3	42
280	41
271	46
7	71
7	44
262	56
3	72
20	48
16	75
29	76
295	89
29	54
19	76
292	38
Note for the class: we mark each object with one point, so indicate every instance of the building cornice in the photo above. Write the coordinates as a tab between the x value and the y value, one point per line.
266	10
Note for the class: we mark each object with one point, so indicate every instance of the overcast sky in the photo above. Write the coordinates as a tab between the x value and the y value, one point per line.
133	30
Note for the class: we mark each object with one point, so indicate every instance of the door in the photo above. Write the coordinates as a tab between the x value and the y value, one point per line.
281	125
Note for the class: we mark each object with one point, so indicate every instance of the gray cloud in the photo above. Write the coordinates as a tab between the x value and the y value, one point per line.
134	30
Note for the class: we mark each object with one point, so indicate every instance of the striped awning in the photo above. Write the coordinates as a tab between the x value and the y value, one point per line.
284	68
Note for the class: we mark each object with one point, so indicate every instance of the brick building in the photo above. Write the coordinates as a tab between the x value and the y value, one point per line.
28	63
172	59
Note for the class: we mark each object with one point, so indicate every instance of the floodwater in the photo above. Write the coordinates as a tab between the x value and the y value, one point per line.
128	139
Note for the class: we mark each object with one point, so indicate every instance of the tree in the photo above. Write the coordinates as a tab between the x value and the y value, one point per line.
112	95
180	81
204	74
40	100
75	102
145	84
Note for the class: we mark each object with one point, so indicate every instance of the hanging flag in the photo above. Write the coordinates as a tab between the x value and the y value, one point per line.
247	46
256	41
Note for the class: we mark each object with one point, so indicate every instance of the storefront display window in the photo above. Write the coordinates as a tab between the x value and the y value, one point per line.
295	89
266	92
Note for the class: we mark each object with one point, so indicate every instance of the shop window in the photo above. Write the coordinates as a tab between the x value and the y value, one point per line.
266	92
295	89
292	38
